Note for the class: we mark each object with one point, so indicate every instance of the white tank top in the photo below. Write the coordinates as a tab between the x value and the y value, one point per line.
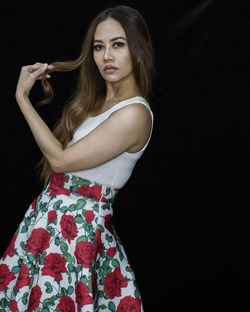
118	170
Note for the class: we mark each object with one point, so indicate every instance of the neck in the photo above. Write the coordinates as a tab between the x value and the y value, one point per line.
122	90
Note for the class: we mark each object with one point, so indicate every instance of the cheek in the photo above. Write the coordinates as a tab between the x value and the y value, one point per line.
96	60
129	63
126	61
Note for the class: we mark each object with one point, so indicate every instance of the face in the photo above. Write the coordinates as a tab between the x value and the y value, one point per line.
111	52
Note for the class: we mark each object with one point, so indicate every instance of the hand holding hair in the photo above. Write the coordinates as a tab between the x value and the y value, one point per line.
28	76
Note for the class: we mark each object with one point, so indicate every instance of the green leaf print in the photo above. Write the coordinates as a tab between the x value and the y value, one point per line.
64	209
51	230
82	238
33	214
57	204
63	247
128	269
30	257
79	181
27	221
115	263
72	207
49	288
64	291
103	306
100	293
107	191
3	302
111	306
43	207
100	227
137	293
24	229
105	206
57	241
70	290
23	246
96	207
79	219
71	268
84	279
15	269
121	257
67	256
80	203
31	282
69	277
109	238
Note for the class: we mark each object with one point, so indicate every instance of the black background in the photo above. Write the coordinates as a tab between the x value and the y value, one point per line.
182	216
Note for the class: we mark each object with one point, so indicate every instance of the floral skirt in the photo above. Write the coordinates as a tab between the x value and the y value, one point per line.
66	255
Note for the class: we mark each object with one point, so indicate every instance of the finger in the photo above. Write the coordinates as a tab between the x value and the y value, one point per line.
39	71
43	76
34	67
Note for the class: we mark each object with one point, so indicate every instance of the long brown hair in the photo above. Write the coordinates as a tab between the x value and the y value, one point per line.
90	91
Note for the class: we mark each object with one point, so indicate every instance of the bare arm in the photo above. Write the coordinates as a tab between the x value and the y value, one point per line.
46	141
123	129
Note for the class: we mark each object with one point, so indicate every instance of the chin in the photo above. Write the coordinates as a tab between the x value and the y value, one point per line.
116	79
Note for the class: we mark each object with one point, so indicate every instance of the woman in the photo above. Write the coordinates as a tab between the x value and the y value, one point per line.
66	255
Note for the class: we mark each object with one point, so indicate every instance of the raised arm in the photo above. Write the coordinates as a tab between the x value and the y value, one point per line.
126	127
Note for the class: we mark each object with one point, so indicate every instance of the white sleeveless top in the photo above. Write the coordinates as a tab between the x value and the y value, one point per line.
118	170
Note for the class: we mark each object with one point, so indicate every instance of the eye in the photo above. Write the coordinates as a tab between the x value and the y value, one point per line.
119	44
97	47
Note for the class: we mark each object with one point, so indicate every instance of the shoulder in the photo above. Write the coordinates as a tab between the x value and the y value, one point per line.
136	113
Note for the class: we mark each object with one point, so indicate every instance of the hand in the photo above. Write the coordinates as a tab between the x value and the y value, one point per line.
28	76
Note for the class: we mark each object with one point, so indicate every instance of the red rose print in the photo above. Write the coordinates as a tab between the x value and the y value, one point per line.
113	283
5	276
111	251
52	215
10	249
38	241
84	254
89	215
69	228
57	184
98	244
54	265
13	306
82	295
23	278
66	304
33	204
108	224
94	192
34	299
129	304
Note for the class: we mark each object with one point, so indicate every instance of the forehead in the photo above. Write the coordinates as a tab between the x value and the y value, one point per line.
108	29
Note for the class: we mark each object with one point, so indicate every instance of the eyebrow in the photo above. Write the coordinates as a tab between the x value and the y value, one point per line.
113	39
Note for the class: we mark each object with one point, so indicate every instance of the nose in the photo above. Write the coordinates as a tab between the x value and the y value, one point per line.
107	55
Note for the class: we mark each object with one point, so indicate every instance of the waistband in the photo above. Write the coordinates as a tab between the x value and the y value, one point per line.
67	183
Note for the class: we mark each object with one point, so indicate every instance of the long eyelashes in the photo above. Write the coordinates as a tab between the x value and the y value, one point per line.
99	47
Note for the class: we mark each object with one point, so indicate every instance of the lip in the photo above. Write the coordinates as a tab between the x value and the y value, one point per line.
110	69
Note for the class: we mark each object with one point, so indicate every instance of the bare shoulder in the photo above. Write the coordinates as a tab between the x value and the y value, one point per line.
138	118
136	113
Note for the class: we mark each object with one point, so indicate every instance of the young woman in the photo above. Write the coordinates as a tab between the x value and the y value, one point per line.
66	255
